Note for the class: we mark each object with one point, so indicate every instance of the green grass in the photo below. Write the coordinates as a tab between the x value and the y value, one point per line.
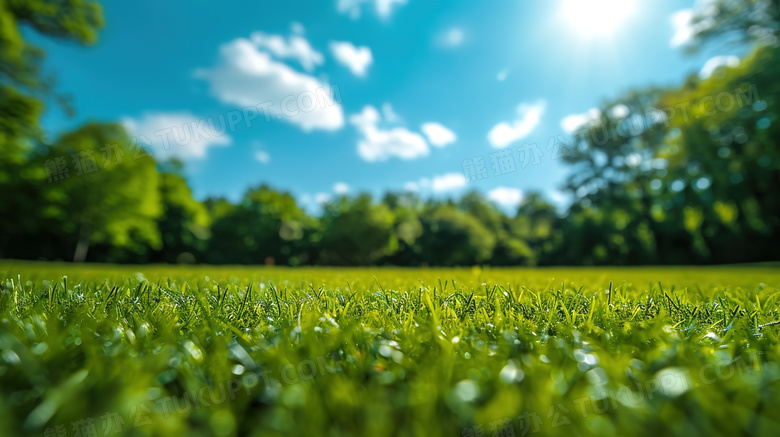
254	351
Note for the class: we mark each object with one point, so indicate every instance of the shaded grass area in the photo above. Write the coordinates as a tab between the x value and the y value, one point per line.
161	350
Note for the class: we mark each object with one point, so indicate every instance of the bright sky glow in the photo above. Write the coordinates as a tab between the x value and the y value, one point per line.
414	93
597	17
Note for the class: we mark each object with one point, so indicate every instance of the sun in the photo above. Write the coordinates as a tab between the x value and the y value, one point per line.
597	17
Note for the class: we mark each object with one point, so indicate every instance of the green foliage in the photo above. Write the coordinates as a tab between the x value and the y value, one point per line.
356	231
538	225
695	182
116	204
18	120
76	20
184	223
266	227
727	158
452	237
747	22
673	175
509	248
348	352
21	81
22	89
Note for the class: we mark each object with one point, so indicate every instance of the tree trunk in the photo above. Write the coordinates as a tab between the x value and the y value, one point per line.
80	255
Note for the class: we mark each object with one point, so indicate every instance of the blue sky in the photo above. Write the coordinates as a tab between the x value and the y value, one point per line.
415	87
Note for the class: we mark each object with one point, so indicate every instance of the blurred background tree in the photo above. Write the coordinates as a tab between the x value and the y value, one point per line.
673	175
452	237
23	86
357	231
734	22
267	227
112	198
184	224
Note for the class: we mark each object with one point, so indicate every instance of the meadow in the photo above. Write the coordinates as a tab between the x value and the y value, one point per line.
96	350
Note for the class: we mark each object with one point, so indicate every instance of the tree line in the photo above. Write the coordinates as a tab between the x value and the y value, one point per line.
695	184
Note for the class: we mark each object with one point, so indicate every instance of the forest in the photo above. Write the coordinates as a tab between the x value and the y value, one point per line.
687	174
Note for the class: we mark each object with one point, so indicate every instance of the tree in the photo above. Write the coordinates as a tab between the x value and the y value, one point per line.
693	183
21	82
22	88
735	22
510	249
724	161
110	195
538	225
184	223
355	231
266	227
405	208
614	158
454	238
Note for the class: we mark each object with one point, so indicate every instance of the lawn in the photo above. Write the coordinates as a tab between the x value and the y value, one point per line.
94	350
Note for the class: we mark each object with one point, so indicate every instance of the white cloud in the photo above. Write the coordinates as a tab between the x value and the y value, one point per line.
295	47
528	117
506	196
383	8
451	38
438	135
718	61
357	59
322	198
340	188
369	116
178	134
380	144
412	186
502	75
438	184
448	182
262	156
247	76
573	122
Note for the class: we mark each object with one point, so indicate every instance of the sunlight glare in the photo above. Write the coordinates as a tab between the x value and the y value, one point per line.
597	17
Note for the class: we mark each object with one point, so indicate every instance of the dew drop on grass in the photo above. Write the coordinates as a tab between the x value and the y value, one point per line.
712	336
673	381
193	350
511	372
597	376
40	348
466	390
11	357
